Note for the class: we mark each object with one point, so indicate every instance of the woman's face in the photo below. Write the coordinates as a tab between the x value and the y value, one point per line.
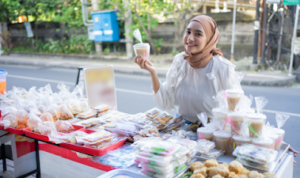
194	38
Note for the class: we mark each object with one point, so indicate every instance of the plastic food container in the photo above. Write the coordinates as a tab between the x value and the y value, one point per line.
265	142
237	121
279	140
219	113
205	133
169	169
154	159
142	50
233	97
162	148
257	123
239	140
3	74
222	140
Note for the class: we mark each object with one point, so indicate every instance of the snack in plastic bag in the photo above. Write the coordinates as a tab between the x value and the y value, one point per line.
95	138
141	49
149	132
161	120
9	120
263	142
46	128
204	146
212	154
233	98
152	113
65	113
64	127
33	122
87	114
102	108
53	110
46	117
256	154
261	102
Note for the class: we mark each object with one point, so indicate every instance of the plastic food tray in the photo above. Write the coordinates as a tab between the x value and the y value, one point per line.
13	130
41	137
117	172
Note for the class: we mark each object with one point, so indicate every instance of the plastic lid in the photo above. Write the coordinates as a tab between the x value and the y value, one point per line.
241	138
234	91
205	130
236	114
250	111
3	72
141	45
273	136
280	131
219	110
222	134
256	116
264	141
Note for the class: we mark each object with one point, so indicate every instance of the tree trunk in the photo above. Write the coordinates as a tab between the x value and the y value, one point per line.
36	33
146	31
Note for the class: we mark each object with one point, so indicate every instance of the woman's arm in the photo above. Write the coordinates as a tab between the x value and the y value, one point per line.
147	65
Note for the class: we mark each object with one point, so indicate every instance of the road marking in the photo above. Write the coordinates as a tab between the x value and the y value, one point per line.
70	83
125	90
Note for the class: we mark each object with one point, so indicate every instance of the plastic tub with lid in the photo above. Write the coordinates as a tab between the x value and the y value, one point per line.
240	140
257	122
263	142
205	133
222	140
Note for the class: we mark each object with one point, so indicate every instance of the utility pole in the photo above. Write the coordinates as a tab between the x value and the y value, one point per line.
256	29
280	39
98	45
128	22
264	28
233	31
293	40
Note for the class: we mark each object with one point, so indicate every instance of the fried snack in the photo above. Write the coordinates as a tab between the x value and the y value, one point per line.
196	165
226	165
46	116
197	175
255	174
246	171
211	163
217	176
202	170
152	113
63	126
236	167
269	175
102	108
233	175
243	176
220	169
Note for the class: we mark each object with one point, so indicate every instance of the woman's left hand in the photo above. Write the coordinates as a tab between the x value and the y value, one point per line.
295	153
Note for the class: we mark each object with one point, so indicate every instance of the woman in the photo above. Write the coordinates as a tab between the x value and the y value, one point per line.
196	75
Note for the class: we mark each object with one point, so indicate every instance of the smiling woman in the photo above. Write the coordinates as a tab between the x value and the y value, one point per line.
196	75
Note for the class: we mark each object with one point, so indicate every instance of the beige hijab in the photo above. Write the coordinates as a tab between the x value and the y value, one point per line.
212	34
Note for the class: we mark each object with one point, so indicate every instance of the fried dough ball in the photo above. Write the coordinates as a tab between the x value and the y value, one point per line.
220	169
243	176
246	171
236	167
217	176
255	174
196	165
233	175
202	170
269	175
225	164
197	175
211	163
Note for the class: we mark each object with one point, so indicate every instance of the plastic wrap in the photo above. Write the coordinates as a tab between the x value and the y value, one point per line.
204	146
221	99
149	132
65	113
161	120
54	111
46	128
205	132
102	108
213	154
66	137
9	120
260	102
64	127
33	122
256	122
152	113
244	105
46	116
87	114
161	148
235	120
95	138
256	154
233	98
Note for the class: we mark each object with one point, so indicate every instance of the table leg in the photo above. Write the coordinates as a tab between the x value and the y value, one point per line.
37	157
3	156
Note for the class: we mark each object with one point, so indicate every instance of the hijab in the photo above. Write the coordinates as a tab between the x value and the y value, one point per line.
212	33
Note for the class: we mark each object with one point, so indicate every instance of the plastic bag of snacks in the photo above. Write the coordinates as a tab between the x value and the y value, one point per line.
102	108
152	113
207	131
63	126
54	111
65	113
46	116
46	128
33	122
204	146
87	114
96	138
66	137
9	120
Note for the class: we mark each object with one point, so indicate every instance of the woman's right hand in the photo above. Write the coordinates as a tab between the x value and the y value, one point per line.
144	64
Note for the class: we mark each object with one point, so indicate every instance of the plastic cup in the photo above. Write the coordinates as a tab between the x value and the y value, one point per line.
233	97
279	140
142	50
274	137
3	74
222	140
263	142
240	140
219	113
257	122
237	121
205	133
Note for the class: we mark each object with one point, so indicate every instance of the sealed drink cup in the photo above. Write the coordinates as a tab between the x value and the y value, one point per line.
233	97
219	113
3	74
237	119
239	140
279	140
142	50
205	133
222	140
263	142
274	137
257	122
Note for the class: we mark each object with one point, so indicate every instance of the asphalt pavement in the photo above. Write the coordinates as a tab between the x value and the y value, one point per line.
134	95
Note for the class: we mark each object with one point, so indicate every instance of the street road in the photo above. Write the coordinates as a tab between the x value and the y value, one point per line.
134	95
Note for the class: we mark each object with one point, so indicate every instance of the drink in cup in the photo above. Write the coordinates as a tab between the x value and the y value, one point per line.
233	97
279	140
257	122
3	74
237	121
265	142
222	140
205	133
274	137
240	140
142	50
220	115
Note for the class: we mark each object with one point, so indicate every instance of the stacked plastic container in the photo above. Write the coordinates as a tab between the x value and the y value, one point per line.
163	159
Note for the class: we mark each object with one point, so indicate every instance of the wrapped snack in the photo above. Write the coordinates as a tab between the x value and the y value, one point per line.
161	120
87	114
96	138
33	122
46	117
125	128
280	120
64	127
161	148
212	154
65	113
260	103
141	49
46	128
207	131
164	171
233	98
102	108
155	160
152	113
204	146
221	99
74	106
66	137
53	110
10	120
149	132
244	104
176	123
139	144
256	154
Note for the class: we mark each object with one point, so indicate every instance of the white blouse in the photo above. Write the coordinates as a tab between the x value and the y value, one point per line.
190	91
